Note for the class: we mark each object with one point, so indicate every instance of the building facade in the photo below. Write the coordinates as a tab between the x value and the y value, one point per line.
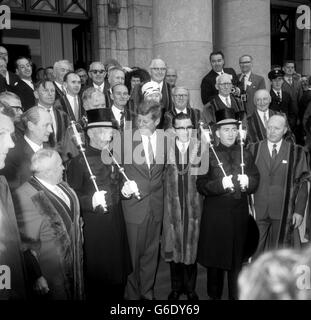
182	32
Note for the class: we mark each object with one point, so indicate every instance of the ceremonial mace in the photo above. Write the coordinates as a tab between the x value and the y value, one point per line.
242	143
121	170
79	143
210	138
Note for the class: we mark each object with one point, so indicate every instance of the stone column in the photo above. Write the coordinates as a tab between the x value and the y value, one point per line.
182	36
243	27
306	53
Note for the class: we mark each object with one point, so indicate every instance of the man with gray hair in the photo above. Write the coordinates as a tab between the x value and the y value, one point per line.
171	77
61	68
37	122
181	99
48	216
223	100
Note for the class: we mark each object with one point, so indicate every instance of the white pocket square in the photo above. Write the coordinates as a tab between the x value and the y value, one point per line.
284	161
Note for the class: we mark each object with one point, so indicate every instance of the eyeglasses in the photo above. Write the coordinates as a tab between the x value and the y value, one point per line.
228	84
184	128
159	69
98	71
246	62
179	96
119	94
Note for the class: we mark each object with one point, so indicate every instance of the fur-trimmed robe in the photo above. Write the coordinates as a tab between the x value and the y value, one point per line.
53	231
296	191
181	223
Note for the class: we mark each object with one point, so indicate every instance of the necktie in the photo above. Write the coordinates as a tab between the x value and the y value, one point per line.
265	119
150	153
290	81
53	137
279	96
76	108
274	152
122	120
228	102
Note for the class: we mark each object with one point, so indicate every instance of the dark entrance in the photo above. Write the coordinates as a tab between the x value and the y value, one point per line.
282	35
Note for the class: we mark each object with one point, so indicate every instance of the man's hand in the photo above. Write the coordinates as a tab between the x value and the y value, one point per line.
99	199
129	188
297	220
227	182
41	286
244	180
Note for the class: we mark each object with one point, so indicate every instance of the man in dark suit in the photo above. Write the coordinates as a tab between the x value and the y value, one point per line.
24	88
223	100
281	198
10	77
120	111
71	103
157	70
10	245
208	89
281	101
181	99
38	127
144	160
60	69
249	82
45	93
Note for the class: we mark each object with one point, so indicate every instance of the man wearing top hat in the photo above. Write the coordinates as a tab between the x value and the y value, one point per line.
225	217
281	100
106	250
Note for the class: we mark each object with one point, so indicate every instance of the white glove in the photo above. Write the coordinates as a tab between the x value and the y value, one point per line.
243	134
244	180
227	182
206	136
99	199
129	188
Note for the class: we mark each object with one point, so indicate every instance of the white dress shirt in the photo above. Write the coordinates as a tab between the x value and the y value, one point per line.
71	100
276	92
223	99
117	113
179	111
32	144
278	146
29	83
7	77
99	88
262	115
246	80
161	86
57	191
51	111
145	140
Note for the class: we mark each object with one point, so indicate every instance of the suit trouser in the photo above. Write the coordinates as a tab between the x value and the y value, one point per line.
215	283
268	235
183	277
144	242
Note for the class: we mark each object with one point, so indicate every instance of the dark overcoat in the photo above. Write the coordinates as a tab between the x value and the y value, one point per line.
224	220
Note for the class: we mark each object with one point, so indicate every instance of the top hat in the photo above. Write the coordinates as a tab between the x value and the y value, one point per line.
276	73
101	117
226	116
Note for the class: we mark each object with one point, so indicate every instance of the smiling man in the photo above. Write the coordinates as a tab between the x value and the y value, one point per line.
282	194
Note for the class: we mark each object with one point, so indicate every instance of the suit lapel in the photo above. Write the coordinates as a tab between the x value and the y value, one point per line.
266	154
282	155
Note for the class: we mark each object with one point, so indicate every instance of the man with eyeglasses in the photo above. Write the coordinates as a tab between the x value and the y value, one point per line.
249	82
115	76
171	77
224	100
182	210
24	88
157	71
208	89
61	68
181	99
